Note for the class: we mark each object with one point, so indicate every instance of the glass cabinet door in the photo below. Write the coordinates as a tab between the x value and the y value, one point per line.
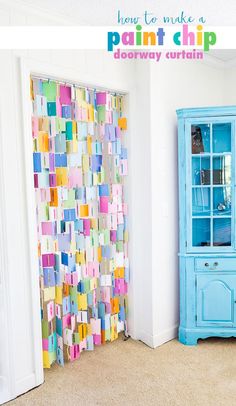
211	177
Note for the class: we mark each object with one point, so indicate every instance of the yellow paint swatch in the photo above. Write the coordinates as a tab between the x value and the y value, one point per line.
46	362
94	223
79	95
99	254
84	210
74	127
89	329
49	294
79	257
119	272
31	89
61	176
59	295
82	301
43	142
95	179
82	330
90	112
93	283
89	144
85	162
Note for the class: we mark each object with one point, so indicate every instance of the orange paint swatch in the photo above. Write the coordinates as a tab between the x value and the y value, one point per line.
122	123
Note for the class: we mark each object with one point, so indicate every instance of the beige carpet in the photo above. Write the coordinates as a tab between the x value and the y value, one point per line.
130	373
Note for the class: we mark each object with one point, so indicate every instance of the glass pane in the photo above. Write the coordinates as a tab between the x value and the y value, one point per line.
222	170
201	232
200	134
222	201
221	136
222	232
201	204
200	171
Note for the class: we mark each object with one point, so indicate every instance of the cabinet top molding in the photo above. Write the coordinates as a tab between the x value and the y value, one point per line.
206	111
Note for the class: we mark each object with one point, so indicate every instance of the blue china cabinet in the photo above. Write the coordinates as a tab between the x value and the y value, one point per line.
207	245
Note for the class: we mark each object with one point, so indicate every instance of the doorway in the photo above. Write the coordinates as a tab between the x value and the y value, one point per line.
79	163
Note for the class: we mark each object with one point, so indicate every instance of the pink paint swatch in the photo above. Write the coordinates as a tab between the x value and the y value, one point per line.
104	204
36	180
51	162
66	321
48	260
83	345
35	127
58	107
48	228
65	94
112	208
113	235
45	344
97	339
75	177
74	352
86	227
101	98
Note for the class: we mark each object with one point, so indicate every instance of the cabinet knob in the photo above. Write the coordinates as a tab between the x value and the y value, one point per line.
216	264
206	264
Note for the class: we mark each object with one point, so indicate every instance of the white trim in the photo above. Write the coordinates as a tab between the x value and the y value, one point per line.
26	383
213	61
159	339
147	339
7	380
231	63
65	74
165	336
34	67
79	84
31	225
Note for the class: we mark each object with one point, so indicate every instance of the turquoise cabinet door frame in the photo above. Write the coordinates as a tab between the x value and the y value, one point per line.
188	225
182	185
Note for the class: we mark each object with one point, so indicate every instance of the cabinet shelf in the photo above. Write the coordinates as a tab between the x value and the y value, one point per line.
212	217
213	186
209	154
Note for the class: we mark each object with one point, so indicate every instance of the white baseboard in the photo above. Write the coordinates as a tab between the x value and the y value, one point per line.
161	338
165	336
25	384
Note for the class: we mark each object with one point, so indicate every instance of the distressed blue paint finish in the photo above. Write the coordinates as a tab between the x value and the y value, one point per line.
207	269
212	312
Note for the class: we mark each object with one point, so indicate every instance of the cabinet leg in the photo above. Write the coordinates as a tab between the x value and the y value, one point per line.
187	338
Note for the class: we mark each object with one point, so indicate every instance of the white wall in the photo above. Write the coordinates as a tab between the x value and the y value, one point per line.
140	209
174	85
230	85
155	91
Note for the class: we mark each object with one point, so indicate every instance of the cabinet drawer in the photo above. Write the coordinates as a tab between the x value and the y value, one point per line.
215	264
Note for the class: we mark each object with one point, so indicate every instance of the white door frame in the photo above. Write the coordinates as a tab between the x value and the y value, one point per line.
6	361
